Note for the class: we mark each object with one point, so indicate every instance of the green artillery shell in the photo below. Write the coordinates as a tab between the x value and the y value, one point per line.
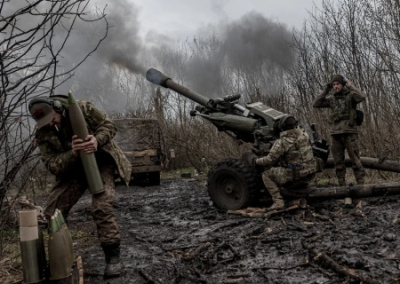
88	160
30	247
53	226
68	239
66	234
59	256
42	254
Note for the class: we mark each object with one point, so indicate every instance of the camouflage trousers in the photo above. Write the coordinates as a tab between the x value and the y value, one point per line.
349	142
68	191
277	177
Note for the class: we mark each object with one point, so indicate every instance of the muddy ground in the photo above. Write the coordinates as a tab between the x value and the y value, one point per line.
173	234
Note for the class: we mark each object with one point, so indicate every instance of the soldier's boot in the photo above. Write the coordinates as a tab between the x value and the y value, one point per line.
279	204
341	181
277	198
114	267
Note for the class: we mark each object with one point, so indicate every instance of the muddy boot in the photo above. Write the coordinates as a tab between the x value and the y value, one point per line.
279	204
114	267
277	198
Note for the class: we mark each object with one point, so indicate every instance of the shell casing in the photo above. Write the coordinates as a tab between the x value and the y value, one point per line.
88	160
60	262
60	235
33	259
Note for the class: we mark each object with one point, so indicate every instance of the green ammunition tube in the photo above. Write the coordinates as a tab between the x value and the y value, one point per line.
59	247
31	252
88	160
66	235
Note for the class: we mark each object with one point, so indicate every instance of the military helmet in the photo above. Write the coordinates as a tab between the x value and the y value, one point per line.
42	108
287	122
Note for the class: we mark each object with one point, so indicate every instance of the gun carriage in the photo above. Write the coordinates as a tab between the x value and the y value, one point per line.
233	183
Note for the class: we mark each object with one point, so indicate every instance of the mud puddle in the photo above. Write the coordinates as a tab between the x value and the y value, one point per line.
172	234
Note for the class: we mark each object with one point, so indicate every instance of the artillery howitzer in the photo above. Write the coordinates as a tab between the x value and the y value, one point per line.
233	183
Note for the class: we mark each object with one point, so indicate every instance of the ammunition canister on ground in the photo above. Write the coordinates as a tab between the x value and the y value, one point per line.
348	201
32	249
67	233
88	160
61	256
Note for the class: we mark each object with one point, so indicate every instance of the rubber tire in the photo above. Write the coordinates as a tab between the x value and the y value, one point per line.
232	184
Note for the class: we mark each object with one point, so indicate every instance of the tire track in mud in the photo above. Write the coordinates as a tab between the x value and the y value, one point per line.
173	234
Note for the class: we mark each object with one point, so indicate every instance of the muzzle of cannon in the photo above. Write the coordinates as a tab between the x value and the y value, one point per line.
156	77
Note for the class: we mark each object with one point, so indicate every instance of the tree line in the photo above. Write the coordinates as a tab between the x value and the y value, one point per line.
261	59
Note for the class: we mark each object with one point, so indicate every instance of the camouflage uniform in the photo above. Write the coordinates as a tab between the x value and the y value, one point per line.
293	152
55	148
344	131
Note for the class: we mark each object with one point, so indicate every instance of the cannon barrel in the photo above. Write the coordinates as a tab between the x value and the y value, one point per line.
156	77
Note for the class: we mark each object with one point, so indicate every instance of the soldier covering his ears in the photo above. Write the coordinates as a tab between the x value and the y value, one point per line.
344	132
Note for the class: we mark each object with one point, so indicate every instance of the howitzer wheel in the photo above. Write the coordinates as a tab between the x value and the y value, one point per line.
232	184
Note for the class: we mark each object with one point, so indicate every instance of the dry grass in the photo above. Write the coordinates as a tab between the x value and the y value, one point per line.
10	263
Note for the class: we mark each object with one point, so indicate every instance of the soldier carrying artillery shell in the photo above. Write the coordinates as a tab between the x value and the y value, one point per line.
65	155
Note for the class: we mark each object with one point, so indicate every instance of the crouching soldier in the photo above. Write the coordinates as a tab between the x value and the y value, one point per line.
289	162
59	149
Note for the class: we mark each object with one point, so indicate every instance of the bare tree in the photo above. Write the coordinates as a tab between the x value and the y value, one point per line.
360	40
33	36
356	38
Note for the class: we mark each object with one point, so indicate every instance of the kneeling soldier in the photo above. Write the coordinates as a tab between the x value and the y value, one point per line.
289	162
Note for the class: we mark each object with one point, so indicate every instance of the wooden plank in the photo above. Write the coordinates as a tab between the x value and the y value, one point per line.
80	269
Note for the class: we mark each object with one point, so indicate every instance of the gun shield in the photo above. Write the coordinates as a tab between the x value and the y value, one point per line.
88	160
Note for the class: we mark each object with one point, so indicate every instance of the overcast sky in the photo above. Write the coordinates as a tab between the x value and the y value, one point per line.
180	19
